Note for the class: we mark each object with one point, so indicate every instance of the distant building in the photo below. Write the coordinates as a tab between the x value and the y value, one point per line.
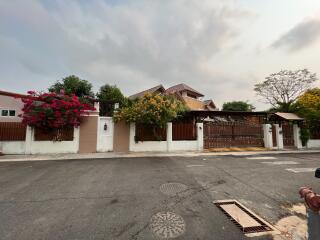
10	106
191	97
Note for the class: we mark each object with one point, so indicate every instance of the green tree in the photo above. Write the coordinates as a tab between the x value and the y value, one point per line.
108	96
308	107
73	85
152	109
282	89
238	106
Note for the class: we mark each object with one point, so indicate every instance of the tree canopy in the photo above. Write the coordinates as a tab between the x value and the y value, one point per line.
238	106
108	95
73	85
152	109
282	89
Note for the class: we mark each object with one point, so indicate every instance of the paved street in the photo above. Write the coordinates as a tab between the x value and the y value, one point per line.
120	198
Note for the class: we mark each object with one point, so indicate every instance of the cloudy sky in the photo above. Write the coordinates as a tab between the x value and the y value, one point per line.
221	48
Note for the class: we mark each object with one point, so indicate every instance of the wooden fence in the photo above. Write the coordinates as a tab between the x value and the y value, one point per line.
150	133
12	131
184	131
315	133
65	134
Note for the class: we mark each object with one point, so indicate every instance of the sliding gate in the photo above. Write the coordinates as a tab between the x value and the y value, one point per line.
232	134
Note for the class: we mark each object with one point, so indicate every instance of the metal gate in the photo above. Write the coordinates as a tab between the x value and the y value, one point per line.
232	134
287	132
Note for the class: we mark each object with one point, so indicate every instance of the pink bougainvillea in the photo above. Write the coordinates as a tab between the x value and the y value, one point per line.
50	110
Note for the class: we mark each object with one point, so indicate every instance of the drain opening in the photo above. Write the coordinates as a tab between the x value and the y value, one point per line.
243	218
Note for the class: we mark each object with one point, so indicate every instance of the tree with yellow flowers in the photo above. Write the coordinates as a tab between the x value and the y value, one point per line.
308	106
152	109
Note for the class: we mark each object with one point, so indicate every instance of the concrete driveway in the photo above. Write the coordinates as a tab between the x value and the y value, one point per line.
128	198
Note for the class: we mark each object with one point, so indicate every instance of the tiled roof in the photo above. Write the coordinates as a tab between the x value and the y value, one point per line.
12	94
288	116
183	87
151	90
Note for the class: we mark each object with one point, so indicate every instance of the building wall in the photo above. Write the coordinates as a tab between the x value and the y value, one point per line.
121	137
313	143
88	134
193	104
10	103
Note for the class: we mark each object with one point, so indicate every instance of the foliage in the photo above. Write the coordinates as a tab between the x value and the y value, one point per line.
282	89
152	109
304	135
238	106
50	110
74	85
308	107
109	95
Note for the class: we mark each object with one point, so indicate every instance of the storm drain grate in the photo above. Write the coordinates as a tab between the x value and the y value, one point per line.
243	218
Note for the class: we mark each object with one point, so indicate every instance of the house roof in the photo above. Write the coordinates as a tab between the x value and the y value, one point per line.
183	87
151	90
288	116
209	102
12	94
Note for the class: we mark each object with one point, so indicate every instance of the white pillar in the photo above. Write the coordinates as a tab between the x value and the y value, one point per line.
279	136
29	140
169	136
296	136
131	136
200	136
267	135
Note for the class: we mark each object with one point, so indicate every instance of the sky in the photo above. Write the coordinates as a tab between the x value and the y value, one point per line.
220	48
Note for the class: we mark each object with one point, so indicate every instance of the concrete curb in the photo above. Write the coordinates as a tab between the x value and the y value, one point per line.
54	157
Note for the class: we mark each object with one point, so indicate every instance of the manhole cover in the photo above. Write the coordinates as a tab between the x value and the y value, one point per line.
167	225
172	189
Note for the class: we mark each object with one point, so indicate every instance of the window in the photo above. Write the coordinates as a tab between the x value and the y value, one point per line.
7	113
4	113
12	113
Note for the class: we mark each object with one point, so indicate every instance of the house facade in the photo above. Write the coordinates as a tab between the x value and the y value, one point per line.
10	106
191	97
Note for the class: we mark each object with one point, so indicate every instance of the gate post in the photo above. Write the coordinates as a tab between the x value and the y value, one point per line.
200	136
296	136
267	135
279	135
169	136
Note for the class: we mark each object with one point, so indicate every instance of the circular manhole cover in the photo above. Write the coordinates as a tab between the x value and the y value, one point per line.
172	189
167	225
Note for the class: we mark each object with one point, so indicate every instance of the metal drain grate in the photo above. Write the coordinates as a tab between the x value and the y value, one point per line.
172	189
243	218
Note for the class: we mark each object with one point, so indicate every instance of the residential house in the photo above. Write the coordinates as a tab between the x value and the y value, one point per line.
191	97
10	106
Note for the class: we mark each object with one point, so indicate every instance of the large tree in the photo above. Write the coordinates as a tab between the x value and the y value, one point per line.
152	109
108	96
73	85
282	89
238	106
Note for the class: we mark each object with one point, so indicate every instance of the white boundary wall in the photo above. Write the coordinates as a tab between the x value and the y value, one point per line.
166	146
313	143
29	146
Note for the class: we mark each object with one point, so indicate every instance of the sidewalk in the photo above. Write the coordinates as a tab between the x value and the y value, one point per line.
75	156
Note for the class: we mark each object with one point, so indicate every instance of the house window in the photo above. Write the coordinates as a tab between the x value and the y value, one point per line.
4	113
12	113
7	113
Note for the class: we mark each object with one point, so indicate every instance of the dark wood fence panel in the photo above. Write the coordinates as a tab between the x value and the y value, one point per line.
65	134
12	131
287	133
184	131
315	133
221	135
150	133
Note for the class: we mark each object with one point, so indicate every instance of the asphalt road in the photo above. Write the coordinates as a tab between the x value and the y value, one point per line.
120	198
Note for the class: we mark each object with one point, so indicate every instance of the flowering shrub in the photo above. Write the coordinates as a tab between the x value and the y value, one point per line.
152	109
49	111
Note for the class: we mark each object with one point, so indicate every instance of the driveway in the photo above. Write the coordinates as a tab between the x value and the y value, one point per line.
128	198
